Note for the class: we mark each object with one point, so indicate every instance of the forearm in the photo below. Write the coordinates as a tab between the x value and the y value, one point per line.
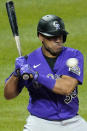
61	87
64	85
11	89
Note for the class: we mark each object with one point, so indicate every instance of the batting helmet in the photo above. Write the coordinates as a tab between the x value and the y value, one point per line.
51	25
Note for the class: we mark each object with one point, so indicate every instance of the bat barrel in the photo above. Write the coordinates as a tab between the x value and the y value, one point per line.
12	17
13	23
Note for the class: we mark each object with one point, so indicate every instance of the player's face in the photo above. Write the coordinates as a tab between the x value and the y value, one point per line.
52	46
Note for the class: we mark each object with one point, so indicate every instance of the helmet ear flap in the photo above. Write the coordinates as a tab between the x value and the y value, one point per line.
64	38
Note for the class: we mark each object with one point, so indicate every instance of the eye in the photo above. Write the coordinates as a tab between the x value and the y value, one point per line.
54	38
51	38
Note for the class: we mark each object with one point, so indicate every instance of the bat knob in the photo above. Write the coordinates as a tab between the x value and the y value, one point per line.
26	76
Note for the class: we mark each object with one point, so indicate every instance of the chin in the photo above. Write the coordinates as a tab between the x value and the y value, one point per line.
55	53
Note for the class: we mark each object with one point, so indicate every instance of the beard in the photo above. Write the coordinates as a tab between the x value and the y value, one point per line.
52	52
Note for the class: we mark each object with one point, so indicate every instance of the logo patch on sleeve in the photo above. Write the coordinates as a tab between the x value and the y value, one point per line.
75	70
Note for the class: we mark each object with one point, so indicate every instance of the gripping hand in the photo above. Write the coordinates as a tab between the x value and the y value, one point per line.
20	61
27	72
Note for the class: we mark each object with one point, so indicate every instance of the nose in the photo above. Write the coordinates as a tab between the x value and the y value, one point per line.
58	40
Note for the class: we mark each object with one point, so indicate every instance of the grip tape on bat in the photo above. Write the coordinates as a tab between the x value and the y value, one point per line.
12	17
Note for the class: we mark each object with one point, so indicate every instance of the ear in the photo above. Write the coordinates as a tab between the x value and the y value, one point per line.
40	37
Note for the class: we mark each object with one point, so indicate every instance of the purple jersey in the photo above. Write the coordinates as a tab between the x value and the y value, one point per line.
43	102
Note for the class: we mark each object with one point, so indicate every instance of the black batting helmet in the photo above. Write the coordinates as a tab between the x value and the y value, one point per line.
51	25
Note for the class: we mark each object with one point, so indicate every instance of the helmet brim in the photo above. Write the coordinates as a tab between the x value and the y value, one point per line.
54	34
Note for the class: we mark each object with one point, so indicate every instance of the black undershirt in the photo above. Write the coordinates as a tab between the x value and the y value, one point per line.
50	61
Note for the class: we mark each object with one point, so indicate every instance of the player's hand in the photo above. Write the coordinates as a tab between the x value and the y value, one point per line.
27	72
20	61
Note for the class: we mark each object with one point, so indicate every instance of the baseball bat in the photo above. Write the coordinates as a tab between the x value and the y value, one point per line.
13	23
14	27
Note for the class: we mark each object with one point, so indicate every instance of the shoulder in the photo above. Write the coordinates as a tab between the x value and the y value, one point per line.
34	56
30	55
34	52
72	52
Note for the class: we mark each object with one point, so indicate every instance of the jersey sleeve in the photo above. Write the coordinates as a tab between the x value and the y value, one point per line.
21	83
75	72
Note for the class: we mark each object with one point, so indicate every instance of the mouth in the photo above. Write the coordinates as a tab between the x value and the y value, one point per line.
58	46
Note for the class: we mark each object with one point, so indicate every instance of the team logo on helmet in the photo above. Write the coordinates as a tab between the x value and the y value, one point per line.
55	24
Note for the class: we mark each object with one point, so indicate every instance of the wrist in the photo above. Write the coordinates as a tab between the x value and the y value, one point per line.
47	82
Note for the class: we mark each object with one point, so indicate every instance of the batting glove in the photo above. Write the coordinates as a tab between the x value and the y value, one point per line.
27	72
20	61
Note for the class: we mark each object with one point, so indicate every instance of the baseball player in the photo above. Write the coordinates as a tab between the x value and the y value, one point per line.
52	85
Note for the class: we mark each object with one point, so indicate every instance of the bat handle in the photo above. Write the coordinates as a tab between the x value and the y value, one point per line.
26	76
17	39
